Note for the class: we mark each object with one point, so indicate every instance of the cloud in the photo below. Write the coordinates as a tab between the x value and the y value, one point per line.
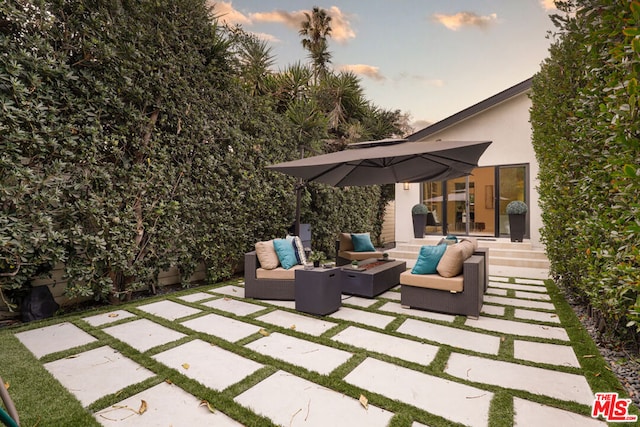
364	70
289	19
226	13
548	4
465	19
341	29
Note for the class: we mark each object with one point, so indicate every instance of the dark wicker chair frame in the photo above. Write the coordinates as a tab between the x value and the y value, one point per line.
265	288
467	303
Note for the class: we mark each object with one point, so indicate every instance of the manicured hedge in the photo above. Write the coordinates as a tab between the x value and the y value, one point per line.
128	146
587	141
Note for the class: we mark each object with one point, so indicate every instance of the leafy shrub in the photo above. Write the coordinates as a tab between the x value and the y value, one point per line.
419	209
516	207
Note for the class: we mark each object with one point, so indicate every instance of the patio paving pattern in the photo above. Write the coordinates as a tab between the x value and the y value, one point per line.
370	362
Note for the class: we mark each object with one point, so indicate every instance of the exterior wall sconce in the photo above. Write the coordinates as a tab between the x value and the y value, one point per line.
406	185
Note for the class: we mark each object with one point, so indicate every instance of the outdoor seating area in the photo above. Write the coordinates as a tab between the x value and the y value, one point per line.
271	274
447	279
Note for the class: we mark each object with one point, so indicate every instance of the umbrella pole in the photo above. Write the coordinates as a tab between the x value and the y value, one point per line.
299	188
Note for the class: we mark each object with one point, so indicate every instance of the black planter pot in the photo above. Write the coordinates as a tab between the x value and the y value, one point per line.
516	227
419	224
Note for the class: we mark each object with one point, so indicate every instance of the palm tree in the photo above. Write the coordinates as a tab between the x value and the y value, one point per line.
315	30
255	59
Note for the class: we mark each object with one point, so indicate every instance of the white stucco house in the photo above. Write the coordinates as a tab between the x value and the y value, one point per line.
475	205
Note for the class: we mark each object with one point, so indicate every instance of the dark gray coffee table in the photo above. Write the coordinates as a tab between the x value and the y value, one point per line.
317	291
373	281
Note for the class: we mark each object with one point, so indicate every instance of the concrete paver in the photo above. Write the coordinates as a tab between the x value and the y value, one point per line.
533	295
517	287
540	316
143	334
164	402
54	338
169	310
394	307
230	305
390	295
518	302
312	356
492	309
560	385
453	401
299	322
195	297
292	401
359	301
229	290
222	327
454	337
90	375
518	328
208	364
531	414
529	281
401	348
106	318
553	354
496	291
365	317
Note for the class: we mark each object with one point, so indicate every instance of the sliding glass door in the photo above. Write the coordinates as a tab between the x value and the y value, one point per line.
476	204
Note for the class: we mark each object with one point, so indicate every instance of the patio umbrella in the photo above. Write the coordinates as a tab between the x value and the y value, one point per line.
387	161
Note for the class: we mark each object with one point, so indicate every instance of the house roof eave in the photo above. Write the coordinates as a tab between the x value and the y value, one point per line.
475	109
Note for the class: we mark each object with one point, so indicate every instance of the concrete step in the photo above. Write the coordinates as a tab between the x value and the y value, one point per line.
502	252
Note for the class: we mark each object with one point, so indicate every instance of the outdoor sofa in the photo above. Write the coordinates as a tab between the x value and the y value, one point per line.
457	287
266	276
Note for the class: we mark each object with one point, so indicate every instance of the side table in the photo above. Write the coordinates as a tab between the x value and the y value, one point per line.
318	291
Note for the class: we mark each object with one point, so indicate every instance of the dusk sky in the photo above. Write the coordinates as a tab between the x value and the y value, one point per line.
428	58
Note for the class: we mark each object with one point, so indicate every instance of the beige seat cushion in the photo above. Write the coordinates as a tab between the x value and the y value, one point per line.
359	256
278	273
450	264
267	255
433	281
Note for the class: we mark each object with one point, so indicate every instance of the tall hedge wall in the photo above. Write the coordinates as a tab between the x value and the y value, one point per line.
586	135
129	146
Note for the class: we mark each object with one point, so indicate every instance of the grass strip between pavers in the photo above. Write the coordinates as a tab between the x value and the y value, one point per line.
41	400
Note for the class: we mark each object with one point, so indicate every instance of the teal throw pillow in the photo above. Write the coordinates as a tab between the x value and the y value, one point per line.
286	253
428	259
362	243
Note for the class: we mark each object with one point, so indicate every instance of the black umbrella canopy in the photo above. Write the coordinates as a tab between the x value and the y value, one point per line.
388	161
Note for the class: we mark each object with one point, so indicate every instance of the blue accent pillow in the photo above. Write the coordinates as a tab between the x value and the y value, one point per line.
362	243
286	253
428	259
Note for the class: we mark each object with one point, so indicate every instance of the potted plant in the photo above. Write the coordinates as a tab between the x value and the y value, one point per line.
316	258
385	256
517	211
419	214
354	264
